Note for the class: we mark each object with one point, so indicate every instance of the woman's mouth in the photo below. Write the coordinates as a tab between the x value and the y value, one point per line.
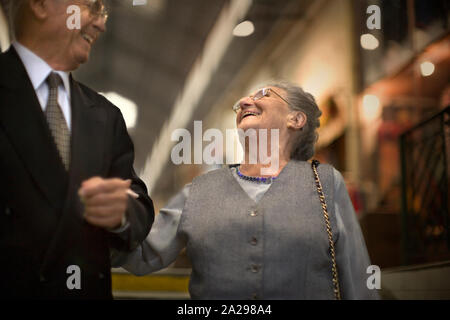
249	113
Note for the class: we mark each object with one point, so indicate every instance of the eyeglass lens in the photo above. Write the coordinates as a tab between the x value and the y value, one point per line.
258	95
98	8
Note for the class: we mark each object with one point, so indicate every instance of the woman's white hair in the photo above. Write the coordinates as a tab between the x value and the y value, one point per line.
302	101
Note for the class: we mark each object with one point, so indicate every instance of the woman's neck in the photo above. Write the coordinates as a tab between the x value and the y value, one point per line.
276	158
258	170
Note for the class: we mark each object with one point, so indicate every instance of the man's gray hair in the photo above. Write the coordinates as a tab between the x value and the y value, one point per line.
299	100
12	9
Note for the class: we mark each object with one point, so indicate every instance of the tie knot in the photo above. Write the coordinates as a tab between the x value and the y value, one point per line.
54	80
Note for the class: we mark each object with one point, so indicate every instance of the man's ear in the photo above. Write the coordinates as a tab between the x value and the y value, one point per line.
39	8
296	120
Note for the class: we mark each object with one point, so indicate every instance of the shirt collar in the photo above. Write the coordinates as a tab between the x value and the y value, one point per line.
37	69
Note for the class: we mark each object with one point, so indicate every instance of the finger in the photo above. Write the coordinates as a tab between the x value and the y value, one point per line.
91	180
103	186
105	222
106	199
87	183
104	211
132	193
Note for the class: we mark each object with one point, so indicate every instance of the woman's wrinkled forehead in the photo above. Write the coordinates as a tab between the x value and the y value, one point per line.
257	88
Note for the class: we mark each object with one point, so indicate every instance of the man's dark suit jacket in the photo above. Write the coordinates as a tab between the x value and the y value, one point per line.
42	231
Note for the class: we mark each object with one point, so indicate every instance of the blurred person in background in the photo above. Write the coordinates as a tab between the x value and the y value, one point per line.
69	195
250	235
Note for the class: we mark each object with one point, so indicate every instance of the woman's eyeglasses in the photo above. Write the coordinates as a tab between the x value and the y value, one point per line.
261	93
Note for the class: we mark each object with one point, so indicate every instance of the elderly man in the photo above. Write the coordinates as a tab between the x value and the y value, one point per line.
69	197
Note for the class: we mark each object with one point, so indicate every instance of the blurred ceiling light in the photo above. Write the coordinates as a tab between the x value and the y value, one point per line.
139	2
369	42
244	29
426	68
153	7
371	107
126	106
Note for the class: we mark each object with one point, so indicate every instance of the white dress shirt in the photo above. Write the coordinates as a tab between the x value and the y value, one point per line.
38	71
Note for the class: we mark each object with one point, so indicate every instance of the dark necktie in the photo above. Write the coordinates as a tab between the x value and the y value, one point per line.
56	120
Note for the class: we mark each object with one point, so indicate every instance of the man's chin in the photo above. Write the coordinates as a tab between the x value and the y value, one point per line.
80	59
84	56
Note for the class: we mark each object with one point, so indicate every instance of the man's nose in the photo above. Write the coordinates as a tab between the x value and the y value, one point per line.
99	23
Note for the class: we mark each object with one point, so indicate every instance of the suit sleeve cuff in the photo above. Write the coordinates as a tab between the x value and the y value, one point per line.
124	225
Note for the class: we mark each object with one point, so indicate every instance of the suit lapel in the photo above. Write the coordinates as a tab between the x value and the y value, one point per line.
87	160
88	136
24	123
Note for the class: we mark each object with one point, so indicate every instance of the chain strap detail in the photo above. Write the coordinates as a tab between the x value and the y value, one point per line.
334	271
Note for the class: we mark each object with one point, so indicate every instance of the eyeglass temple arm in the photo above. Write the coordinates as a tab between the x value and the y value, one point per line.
280	96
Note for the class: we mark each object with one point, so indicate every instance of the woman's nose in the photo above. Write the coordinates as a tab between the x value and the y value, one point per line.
246	101
242	103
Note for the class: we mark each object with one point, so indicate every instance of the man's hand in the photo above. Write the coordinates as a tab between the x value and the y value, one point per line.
105	201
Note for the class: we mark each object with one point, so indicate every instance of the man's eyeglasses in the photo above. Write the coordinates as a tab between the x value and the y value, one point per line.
96	8
261	93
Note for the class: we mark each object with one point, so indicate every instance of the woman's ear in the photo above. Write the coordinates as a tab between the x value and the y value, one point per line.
296	120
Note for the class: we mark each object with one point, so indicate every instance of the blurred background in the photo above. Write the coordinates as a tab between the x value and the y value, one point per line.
381	79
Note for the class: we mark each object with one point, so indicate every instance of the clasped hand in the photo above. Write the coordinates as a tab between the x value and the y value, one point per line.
105	201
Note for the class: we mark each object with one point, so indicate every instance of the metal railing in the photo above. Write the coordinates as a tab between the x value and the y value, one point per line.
425	155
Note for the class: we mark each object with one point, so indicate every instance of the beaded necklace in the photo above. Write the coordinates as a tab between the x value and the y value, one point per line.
254	179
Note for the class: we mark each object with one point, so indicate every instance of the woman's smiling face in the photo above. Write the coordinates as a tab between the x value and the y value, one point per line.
268	112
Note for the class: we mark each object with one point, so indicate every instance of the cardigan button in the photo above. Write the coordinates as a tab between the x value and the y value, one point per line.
253	213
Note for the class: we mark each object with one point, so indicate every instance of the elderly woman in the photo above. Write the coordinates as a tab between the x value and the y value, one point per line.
257	236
